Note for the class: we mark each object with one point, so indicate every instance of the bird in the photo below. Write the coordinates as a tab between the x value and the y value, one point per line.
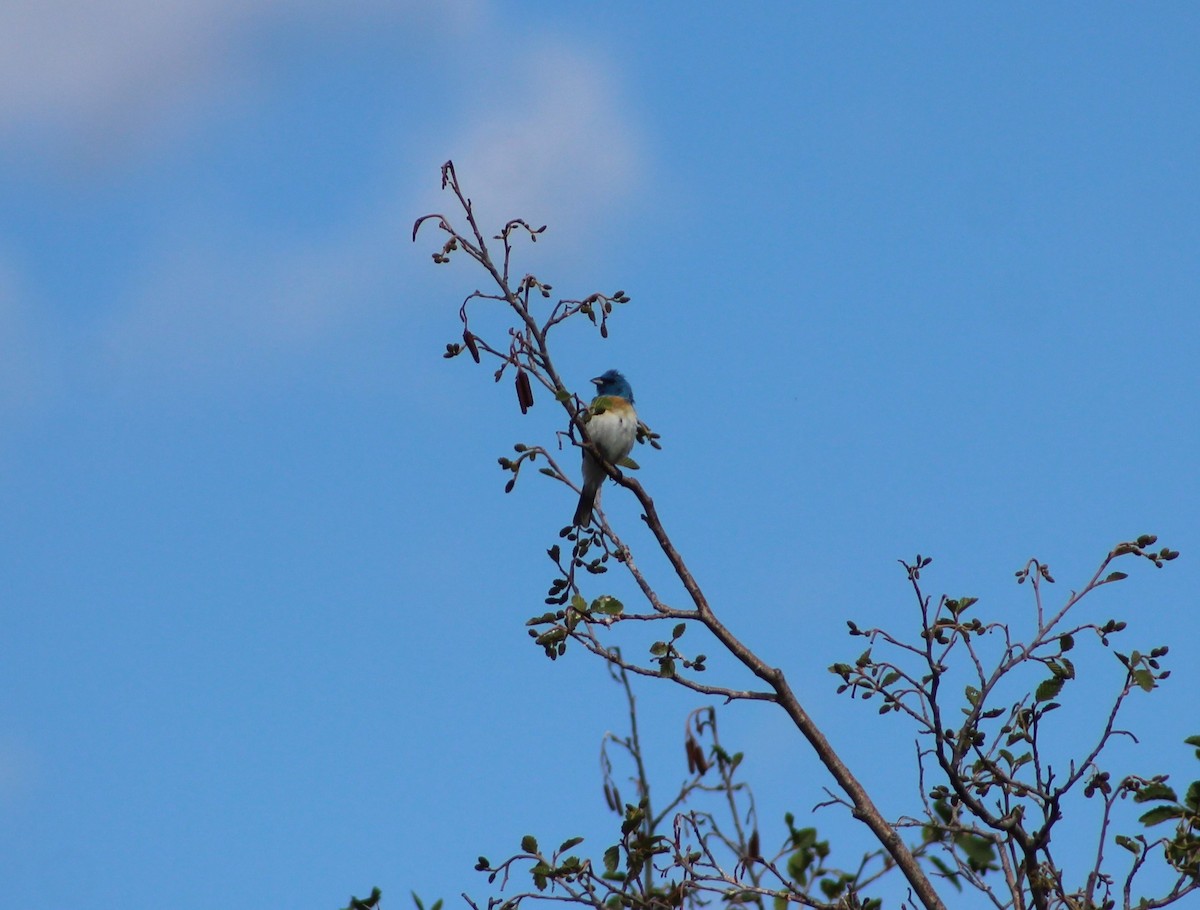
612	426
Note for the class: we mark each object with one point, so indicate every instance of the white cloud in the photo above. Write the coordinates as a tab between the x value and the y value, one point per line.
550	141
100	65
66	60
546	139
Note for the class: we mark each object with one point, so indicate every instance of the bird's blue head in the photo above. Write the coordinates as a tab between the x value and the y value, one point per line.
613	383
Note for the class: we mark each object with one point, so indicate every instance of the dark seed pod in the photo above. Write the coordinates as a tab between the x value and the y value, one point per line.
469	340
524	391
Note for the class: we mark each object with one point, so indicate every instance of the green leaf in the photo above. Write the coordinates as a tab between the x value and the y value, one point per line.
529	844
1193	741
805	837
1155	790
370	903
981	853
798	863
569	843
963	604
1160	814
1065	643
678	631
1049	689
889	679
1115	576
578	603
1129	844
832	887
636	864
947	871
1144	678
607	605
612	856
1192	800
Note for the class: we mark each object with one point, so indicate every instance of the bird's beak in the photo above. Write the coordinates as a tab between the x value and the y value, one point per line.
596	381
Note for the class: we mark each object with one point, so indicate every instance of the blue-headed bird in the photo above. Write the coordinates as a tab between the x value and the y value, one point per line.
612	427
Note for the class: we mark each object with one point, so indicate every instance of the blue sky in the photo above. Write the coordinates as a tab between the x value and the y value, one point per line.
904	279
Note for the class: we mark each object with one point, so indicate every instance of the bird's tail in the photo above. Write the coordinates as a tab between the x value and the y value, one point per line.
587	499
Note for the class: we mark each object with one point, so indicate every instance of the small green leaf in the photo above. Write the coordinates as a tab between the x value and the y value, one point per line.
678	631
607	605
1049	689
1155	790
947	872
832	887
612	856
1144	678
797	865
1192	800
979	851
1115	576
529	844
1129	844
1160	814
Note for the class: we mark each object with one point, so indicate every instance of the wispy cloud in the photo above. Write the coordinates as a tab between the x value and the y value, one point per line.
93	64
211	306
549	139
552	145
